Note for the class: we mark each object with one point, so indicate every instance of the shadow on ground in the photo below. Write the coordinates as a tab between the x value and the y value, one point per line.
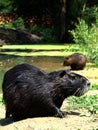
7	121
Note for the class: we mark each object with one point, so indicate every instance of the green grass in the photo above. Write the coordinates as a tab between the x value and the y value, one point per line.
60	47
88	104
35	47
0	100
94	87
40	53
41	49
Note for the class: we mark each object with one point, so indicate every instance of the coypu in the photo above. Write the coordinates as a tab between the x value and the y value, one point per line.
30	92
76	61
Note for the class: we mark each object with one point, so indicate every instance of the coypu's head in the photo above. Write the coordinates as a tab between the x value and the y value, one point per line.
73	84
67	61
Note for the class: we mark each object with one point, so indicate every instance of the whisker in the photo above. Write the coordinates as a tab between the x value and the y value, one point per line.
76	91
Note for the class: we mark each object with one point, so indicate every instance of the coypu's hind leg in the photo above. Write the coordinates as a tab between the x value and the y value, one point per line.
7	114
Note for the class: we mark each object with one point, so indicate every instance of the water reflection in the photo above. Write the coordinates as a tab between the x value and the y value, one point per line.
46	63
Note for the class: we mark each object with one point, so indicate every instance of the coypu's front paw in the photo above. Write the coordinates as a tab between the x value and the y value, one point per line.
60	113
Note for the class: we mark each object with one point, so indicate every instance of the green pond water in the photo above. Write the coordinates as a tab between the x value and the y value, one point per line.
48	64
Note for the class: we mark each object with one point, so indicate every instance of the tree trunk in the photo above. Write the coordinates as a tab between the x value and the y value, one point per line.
62	20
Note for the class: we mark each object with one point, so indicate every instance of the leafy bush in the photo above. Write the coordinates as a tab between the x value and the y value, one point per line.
87	37
9	26
90	15
6	6
18	23
83	34
48	34
80	33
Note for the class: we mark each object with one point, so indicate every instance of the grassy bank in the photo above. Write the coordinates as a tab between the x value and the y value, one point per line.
41	49
34	47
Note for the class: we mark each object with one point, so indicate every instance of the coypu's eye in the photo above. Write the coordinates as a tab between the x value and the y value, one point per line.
76	77
83	79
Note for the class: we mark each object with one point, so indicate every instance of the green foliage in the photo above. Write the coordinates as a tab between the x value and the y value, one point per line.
9	26
72	9
80	34
6	6
91	3
53	8
18	23
48	34
87	36
0	100
83	34
89	104
90	15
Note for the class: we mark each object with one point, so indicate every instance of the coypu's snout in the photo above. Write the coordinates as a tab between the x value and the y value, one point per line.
88	83
83	89
81	85
64	63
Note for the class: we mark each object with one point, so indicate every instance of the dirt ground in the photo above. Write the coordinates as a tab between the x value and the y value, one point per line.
73	120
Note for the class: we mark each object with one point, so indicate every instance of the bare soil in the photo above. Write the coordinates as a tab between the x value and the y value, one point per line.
72	121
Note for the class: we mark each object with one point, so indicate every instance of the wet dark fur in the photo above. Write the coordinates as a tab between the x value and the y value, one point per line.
31	92
76	61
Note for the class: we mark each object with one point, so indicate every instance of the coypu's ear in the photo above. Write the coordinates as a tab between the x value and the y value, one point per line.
62	73
66	58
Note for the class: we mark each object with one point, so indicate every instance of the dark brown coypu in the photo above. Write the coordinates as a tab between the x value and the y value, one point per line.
76	61
31	92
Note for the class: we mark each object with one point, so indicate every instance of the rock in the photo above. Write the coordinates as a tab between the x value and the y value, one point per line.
18	36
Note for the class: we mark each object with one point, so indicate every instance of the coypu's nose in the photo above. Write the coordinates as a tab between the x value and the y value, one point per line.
88	83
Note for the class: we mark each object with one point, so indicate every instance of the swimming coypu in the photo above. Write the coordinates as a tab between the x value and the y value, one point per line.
76	61
30	92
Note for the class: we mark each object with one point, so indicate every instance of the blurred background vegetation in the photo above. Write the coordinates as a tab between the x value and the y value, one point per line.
57	21
54	19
